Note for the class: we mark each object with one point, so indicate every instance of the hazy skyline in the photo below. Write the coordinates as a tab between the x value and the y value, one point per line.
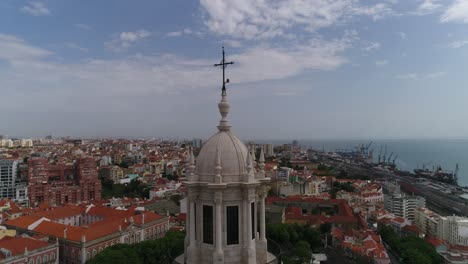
303	69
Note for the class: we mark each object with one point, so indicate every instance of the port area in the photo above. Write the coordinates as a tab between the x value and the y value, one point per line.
443	198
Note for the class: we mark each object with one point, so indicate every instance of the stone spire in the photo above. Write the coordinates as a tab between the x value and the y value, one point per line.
191	166
187	165
249	166
261	161
254	158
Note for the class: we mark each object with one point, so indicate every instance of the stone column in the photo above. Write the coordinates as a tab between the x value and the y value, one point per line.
191	256
249	245
218	254
192	223
262	217
262	241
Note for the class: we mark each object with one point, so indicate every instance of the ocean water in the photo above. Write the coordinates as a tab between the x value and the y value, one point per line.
412	154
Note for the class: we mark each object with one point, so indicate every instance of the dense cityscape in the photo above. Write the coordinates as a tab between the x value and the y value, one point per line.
233	132
70	199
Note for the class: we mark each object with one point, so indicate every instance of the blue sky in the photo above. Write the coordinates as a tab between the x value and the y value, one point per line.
303	69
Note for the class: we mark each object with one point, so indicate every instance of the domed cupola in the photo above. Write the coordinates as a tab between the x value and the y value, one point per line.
225	199
225	147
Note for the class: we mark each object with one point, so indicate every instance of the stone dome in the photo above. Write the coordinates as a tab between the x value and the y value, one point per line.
223	154
232	158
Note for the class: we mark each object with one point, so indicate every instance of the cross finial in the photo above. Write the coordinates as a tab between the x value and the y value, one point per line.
223	65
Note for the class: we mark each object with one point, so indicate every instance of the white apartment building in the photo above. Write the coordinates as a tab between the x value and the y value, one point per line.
26	143
427	221
403	205
454	229
7	143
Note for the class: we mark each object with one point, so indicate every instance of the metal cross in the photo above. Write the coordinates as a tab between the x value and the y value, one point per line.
223	65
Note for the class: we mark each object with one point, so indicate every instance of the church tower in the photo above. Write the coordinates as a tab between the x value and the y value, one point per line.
226	188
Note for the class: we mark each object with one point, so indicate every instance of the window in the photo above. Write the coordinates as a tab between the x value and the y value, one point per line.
38	260
252	217
232	225
52	256
94	253
31	261
45	259
207	224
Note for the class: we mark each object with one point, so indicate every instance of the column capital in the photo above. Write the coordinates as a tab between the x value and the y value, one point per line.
192	194
262	192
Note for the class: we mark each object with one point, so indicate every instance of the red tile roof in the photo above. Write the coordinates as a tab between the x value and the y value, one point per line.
17	245
112	222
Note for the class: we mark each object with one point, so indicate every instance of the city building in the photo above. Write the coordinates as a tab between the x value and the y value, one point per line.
268	148
454	229
315	211
28	250
282	174
197	143
116	173
403	205
58	184
26	143
226	198
8	174
427	221
84	231
361	243
7	143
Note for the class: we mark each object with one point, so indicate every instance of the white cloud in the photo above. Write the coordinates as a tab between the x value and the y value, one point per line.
83	26
372	46
36	9
458	44
428	7
174	34
416	77
129	37
15	48
456	12
381	63
185	31
377	11
75	46
260	19
434	75
124	40
233	43
402	35
31	69
408	76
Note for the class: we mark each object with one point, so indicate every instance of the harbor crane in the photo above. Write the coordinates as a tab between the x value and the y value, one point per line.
390	157
384	155
380	155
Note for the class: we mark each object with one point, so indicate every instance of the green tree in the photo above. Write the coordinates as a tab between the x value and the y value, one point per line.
160	251
302	251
